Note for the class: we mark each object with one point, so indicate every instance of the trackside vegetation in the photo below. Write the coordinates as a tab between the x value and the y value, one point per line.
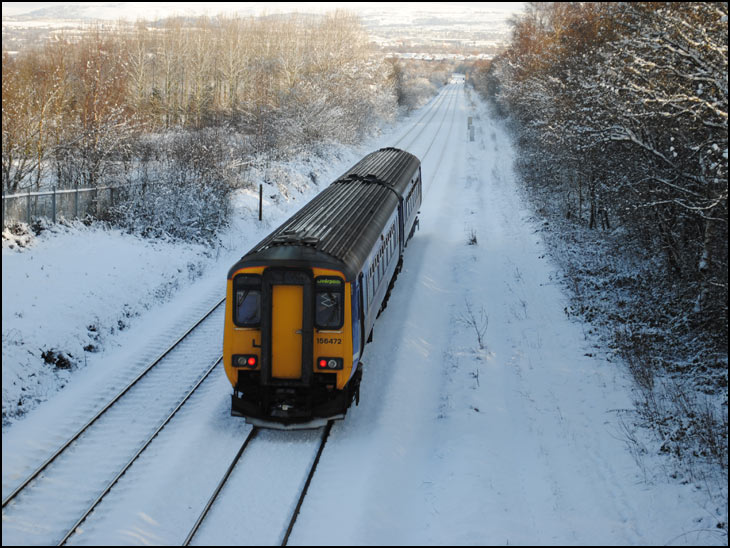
181	111
620	114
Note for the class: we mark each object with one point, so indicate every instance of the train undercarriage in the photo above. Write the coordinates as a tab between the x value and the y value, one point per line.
293	404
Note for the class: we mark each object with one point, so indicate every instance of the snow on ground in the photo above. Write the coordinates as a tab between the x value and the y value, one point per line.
516	440
70	293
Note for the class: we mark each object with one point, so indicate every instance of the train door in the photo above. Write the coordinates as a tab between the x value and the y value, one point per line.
288	346
287	307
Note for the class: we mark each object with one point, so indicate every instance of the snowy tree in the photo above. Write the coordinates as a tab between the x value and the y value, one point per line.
620	111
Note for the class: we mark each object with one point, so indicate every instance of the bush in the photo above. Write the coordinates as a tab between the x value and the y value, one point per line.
186	193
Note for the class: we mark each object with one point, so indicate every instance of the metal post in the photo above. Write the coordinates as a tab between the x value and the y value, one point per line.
28	212
76	200
261	200
53	204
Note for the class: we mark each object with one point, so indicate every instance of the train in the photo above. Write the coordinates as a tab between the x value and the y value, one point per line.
302	303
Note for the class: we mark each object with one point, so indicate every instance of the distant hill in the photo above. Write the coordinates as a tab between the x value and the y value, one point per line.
402	26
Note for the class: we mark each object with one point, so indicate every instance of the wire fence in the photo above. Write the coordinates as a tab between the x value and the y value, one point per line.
77	203
53	205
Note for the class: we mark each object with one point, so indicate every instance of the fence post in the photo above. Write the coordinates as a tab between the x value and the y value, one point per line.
28	212
261	200
53	204
76	202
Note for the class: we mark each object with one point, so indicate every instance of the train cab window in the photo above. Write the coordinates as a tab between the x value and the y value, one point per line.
247	299
328	303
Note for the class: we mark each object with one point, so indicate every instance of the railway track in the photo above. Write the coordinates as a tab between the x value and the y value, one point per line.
453	96
303	494
226	476
432	176
123	427
451	93
23	484
430	112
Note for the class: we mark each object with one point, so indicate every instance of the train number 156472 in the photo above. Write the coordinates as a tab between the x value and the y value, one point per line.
325	340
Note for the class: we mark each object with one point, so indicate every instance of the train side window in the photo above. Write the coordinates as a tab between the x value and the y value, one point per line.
247	298
328	303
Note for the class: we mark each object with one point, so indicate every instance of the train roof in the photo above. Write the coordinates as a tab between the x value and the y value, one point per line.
390	167
339	227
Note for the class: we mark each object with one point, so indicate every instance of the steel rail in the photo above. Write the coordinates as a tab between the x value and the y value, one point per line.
211	500
303	494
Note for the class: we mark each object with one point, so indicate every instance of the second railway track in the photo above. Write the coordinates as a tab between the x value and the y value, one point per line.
65	485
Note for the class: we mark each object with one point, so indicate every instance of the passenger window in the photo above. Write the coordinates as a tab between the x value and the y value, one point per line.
328	303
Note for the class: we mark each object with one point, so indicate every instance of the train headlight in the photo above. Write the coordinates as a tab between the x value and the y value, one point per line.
329	364
245	360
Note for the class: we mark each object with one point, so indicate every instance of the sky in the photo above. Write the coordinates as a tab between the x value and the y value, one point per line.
138	9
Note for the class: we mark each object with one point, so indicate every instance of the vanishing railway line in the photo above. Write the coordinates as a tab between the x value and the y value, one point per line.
430	112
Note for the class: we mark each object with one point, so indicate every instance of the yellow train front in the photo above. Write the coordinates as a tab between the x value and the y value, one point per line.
302	303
